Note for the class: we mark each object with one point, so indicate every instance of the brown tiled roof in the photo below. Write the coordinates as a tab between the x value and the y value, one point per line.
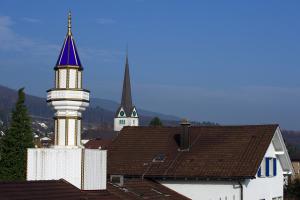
215	152
36	190
98	134
135	189
97	144
100	195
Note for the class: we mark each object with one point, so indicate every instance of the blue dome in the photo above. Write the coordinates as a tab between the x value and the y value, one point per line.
68	54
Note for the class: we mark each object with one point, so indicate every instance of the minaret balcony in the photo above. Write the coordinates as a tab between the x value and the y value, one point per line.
68	97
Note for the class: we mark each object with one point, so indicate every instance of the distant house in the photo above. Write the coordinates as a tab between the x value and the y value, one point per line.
206	162
98	144
296	166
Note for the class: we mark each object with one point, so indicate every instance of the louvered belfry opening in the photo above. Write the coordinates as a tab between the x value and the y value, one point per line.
185	135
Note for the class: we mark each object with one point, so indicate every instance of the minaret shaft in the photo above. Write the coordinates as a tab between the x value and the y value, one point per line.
68	98
68	159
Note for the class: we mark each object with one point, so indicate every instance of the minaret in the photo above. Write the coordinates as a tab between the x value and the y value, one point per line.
68	159
68	98
126	114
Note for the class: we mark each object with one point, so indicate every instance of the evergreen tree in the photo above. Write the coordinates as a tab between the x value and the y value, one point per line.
14	144
156	122
293	190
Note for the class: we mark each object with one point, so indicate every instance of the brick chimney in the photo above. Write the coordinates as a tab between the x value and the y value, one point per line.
185	135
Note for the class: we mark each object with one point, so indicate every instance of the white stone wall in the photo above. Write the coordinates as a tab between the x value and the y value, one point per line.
84	168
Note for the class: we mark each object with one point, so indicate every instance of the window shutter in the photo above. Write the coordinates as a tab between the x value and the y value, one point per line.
267	167
259	172
274	167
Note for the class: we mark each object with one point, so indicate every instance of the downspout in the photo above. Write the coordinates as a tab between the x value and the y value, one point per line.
241	193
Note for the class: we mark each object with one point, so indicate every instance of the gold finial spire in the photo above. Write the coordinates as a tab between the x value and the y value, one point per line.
69	24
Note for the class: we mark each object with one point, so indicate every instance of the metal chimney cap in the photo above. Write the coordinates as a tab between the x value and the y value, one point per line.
184	121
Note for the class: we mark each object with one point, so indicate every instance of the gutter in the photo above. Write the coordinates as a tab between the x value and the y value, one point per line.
241	193
196	178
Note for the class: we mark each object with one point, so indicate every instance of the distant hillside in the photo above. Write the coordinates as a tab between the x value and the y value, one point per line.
101	111
99	117
113	106
292	140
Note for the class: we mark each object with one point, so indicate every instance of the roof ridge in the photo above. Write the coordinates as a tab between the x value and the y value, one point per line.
202	126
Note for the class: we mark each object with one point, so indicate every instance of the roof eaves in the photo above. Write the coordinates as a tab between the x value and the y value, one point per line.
207	178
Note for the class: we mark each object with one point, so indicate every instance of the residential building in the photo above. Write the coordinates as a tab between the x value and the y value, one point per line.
205	162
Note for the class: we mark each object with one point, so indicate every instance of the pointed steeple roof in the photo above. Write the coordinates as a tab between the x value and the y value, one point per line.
68	54
126	101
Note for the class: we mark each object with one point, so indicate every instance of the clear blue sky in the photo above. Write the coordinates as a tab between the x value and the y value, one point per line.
232	62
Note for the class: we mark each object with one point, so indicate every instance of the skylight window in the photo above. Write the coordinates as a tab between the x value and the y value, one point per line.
159	158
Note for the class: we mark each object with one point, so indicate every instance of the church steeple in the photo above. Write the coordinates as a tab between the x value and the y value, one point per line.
126	114
126	101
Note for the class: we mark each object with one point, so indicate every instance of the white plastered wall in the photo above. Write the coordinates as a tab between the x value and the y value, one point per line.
84	168
206	190
72	78
62	78
79	80
265	187
61	132
71	132
129	121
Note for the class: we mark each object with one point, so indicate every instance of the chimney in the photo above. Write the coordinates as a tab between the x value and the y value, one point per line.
185	135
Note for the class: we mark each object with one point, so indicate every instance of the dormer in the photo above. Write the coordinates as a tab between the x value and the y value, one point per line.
121	113
134	113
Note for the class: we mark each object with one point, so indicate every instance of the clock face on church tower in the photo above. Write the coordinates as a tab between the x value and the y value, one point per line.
122	113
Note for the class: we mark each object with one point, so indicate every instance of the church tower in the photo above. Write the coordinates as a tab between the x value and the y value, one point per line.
126	114
68	159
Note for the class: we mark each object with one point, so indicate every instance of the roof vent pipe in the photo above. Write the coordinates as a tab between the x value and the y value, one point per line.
185	135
